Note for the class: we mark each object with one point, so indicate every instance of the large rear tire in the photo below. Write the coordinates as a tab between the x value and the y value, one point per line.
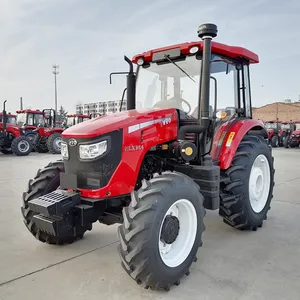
162	230
46	181
40	144
21	146
274	141
31	135
247	185
53	143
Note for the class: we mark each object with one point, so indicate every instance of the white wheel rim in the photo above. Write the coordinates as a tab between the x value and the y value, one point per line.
57	142
23	146
259	183
176	253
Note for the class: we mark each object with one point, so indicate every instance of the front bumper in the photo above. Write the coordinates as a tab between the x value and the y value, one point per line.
62	214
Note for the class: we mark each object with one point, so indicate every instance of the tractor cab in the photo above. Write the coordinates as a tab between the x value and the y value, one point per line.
273	126
30	119
76	119
10	118
287	128
294	137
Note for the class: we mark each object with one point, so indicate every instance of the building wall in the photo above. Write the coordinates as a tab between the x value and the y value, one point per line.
282	111
100	107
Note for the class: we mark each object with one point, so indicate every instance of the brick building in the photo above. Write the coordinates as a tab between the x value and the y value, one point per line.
282	111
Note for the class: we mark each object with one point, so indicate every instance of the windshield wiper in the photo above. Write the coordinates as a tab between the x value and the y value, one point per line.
171	61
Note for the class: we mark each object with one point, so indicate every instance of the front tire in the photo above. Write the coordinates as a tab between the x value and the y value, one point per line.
162	230
46	181
247	187
6	151
21	146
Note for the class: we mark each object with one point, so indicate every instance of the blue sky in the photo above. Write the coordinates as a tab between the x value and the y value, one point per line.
88	39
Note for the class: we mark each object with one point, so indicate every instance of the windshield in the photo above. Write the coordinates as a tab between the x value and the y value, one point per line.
297	126
38	119
167	85
21	119
30	119
285	126
9	119
71	121
271	125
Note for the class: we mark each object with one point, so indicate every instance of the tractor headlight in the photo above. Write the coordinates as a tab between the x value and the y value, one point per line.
93	150
64	150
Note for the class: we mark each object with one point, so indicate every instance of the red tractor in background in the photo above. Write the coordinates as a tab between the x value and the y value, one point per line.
12	136
10	118
47	136
74	119
29	120
275	138
157	168
293	139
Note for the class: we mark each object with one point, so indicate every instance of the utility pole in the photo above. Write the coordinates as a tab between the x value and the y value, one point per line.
55	72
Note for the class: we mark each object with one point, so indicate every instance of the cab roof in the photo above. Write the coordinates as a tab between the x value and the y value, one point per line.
8	114
216	48
22	111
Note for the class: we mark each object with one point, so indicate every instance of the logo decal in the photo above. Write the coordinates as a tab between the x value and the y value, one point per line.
134	148
161	121
72	142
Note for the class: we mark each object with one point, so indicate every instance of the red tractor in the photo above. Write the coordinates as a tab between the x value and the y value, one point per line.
274	133
76	119
10	118
47	135
29	120
294	137
156	169
12	136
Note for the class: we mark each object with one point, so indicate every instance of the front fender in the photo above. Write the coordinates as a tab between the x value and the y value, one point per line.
235	135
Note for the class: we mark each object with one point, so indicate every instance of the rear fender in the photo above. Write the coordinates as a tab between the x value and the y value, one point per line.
234	136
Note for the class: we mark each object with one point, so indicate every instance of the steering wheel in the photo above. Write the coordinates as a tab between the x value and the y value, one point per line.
173	103
188	105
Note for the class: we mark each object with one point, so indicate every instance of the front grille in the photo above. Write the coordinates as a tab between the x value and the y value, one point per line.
95	174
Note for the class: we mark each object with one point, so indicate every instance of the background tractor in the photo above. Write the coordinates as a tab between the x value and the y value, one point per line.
12	136
293	139
10	118
29	120
274	133
157	168
47	136
76	119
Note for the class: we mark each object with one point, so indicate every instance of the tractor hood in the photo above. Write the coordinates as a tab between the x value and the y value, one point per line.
9	126
138	118
296	132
